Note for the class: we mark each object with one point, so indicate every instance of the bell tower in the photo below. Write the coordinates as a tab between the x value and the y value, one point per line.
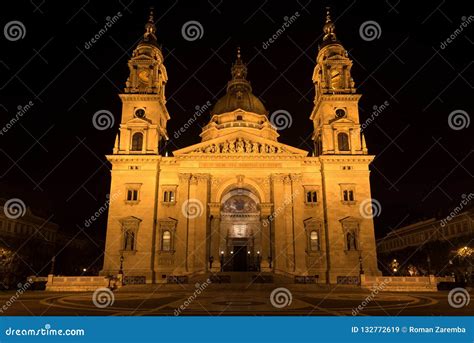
336	128
144	113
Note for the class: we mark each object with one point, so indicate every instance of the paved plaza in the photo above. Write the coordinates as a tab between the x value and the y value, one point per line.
233	299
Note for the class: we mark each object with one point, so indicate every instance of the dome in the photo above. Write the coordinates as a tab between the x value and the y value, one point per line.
239	93
236	99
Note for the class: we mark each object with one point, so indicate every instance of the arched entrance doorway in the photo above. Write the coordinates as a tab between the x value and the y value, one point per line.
240	221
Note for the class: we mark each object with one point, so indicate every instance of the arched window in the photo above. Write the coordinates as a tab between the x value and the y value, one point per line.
137	141
314	240
239	117
343	141
166	241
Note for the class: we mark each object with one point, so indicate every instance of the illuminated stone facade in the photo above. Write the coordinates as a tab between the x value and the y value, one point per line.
240	197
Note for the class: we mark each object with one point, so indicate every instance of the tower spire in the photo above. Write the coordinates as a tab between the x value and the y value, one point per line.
150	28
329	29
239	70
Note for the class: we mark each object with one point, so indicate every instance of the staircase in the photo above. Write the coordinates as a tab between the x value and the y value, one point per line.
242	278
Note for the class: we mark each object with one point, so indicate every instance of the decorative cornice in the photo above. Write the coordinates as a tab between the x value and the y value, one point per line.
346	158
125	158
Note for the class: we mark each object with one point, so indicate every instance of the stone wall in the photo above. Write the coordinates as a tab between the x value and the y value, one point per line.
79	283
401	283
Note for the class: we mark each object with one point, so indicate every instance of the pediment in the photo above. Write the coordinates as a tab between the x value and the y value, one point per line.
342	121
349	220
240	143
139	121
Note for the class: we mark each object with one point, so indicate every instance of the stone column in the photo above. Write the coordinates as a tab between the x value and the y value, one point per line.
278	223
198	221
287	214
214	238
182	229
299	239
265	230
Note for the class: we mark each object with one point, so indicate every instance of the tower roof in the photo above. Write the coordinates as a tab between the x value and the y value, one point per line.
329	30
239	92
149	36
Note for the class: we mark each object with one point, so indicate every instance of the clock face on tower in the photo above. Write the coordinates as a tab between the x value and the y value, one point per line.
340	113
140	113
144	75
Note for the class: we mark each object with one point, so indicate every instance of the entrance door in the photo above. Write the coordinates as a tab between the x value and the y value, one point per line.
240	258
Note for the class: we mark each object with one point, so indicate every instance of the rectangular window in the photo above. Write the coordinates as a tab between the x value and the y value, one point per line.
169	194
314	240
311	196
347	193
129	240
132	195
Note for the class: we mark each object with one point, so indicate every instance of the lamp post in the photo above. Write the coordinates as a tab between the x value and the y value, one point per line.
394	266
211	259
121	265
53	261
222	260
258	261
428	259
361	269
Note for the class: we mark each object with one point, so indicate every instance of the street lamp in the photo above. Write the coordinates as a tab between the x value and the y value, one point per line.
121	265
394	265
222	260
428	259
361	267
53	261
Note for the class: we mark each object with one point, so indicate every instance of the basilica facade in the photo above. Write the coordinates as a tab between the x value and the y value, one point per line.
240	200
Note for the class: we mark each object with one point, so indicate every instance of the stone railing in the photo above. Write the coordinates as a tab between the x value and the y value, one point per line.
81	283
400	283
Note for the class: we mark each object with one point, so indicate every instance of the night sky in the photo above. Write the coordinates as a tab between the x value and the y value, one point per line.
53	158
